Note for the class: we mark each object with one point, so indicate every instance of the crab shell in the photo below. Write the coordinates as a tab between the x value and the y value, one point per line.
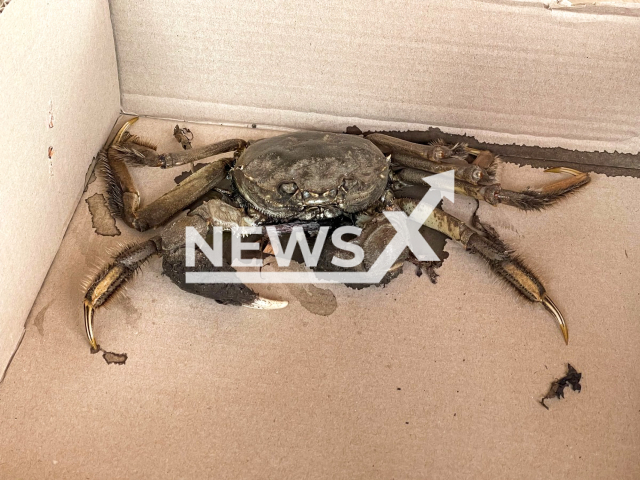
311	175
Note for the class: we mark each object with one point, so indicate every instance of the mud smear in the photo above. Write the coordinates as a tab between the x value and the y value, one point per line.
111	357
132	314
38	321
320	301
101	218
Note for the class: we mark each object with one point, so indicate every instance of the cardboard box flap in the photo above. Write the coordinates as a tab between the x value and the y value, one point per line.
59	97
506	72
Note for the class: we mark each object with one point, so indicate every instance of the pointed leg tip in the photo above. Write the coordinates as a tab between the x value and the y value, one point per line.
123	129
570	171
88	324
555	311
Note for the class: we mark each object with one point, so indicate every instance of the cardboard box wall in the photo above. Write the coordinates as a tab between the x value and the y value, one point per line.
59	97
504	71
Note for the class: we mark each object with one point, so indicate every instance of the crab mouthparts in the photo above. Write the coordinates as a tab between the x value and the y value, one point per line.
316	199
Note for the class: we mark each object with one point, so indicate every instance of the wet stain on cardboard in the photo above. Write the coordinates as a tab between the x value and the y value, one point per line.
132	314
38	320
114	358
611	164
320	301
92	178
101	219
111	357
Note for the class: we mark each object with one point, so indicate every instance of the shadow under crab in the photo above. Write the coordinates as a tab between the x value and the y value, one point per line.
307	179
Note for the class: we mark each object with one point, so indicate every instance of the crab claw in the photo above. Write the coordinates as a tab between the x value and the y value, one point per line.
261	303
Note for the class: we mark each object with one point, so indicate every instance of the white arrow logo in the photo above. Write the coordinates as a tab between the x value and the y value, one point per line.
407	235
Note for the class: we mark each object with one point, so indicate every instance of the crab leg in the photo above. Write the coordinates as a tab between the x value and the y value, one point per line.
139	151
113	277
496	254
170	245
472	174
475	179
434	153
124	197
525	200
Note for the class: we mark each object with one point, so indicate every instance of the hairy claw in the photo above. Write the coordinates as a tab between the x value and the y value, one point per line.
111	279
549	194
118	138
532	199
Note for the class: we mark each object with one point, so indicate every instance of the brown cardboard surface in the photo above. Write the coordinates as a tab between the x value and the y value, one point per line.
59	97
504	71
409	381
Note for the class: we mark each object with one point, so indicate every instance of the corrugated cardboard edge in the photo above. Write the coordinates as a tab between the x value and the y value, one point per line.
620	7
203	112
502	71
612	164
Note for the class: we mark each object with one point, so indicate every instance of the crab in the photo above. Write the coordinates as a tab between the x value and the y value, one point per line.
307	179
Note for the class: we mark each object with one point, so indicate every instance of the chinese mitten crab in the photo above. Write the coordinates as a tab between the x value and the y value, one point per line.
306	178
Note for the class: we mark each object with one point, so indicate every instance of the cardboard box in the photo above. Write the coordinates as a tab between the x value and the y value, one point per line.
59	98
523	72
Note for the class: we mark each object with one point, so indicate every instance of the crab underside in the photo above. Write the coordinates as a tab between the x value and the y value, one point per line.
307	180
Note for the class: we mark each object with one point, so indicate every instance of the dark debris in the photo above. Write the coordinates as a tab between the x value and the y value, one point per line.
184	136
572	378
111	357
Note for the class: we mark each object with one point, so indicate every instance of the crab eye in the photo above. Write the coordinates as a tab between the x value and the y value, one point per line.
289	188
349	183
